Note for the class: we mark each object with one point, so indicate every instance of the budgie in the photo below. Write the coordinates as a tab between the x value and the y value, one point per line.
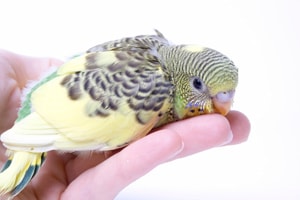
112	95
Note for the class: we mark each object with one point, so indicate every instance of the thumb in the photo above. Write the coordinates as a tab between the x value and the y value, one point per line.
31	68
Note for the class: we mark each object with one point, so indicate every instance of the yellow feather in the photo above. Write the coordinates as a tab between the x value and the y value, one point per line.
73	65
101	59
30	134
65	125
14	174
60	123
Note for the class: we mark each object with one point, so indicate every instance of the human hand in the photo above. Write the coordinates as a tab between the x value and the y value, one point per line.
104	175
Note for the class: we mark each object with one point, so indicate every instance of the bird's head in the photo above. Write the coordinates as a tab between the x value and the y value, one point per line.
205	81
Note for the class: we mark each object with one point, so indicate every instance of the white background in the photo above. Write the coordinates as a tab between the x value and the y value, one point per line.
261	37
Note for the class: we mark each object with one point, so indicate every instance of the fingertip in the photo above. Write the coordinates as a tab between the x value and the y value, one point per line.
240	126
221	132
53	62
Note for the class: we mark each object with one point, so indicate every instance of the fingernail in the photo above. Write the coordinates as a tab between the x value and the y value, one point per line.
228	139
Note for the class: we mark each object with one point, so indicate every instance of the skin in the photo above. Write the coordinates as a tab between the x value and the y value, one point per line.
73	176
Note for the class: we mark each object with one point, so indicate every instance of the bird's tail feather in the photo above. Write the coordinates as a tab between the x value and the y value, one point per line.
18	170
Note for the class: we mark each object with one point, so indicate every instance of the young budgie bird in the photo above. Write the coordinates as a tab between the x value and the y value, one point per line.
114	94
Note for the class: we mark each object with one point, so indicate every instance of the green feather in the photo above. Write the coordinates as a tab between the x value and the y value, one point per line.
6	165
29	174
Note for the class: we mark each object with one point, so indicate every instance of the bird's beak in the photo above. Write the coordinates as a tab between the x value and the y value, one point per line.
222	107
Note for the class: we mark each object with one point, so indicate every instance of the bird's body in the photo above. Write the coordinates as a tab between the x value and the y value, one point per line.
112	95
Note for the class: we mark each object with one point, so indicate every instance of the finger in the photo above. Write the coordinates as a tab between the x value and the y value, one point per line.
17	71
51	179
105	181
31	68
82	162
240	126
202	133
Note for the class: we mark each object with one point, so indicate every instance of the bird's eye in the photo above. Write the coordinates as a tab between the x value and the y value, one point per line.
197	83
